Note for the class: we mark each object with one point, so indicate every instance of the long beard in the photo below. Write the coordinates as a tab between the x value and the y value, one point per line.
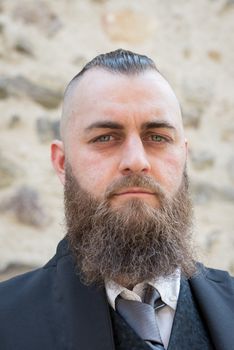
131	243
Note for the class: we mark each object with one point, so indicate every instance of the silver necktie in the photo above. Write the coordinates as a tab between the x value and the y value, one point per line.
141	317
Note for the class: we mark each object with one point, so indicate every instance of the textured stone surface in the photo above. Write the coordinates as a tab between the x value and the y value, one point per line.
8	172
14	121
230	168
24	46
43	129
204	192
202	160
196	99
26	207
128	26
19	87
214	55
47	130
44	43
14	269
228	135
38	13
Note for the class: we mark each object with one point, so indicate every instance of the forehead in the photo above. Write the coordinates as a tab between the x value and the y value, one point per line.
101	94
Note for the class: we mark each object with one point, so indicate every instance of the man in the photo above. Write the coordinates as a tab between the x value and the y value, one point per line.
125	276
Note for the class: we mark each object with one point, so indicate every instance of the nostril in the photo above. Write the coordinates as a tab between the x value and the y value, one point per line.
127	171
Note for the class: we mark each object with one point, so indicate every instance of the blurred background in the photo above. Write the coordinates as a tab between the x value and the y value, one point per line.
44	43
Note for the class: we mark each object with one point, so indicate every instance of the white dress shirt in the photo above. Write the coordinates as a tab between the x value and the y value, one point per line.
168	288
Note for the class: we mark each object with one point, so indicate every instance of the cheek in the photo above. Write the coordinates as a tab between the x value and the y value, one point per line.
170	171
93	172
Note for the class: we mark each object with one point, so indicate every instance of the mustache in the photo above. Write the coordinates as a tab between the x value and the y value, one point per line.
135	180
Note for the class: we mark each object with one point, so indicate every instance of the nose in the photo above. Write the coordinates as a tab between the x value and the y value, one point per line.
134	158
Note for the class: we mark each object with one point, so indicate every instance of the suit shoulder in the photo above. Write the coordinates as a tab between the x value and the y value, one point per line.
216	275
30	307
34	281
24	287
32	287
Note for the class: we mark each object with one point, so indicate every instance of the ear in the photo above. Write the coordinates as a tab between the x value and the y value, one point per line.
58	159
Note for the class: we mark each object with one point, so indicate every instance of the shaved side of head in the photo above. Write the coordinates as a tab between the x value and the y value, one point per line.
66	109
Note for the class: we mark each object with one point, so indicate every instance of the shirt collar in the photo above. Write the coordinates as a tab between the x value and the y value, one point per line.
168	287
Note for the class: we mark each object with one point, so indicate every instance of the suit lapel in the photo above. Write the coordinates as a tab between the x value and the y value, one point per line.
82	312
213	291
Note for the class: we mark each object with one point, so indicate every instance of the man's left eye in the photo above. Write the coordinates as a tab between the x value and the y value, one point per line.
158	138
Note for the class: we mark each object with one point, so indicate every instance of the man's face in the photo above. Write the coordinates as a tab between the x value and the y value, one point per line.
123	125
127	206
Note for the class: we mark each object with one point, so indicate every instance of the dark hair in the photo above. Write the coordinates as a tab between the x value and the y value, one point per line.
119	61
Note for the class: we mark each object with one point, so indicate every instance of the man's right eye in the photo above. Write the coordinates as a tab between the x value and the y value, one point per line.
103	138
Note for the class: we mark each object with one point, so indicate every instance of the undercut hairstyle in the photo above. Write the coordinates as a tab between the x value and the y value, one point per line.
119	61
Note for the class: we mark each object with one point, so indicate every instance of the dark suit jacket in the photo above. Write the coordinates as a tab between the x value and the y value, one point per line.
50	309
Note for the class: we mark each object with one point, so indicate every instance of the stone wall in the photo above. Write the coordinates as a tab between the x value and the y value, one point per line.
44	43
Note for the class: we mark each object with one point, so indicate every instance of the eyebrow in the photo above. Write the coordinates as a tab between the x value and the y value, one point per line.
105	125
158	124
114	125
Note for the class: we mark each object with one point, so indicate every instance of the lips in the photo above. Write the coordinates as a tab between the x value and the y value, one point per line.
134	190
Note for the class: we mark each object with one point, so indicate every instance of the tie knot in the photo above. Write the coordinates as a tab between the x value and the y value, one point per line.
152	296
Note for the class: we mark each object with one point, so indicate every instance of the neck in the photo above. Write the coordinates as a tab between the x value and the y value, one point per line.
125	282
